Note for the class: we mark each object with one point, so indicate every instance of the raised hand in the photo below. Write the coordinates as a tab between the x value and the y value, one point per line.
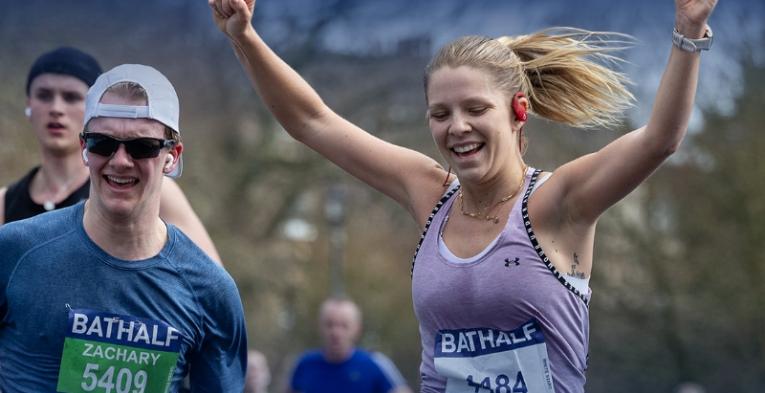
691	15
233	17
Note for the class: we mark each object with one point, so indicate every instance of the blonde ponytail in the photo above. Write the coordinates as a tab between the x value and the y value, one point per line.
563	72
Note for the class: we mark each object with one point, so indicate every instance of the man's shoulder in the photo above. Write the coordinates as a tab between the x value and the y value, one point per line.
363	354
37	230
311	356
25	178
17	187
369	359
184	249
388	368
19	239
212	286
197	268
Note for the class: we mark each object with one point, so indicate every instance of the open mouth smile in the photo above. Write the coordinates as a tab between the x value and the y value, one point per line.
467	149
122	182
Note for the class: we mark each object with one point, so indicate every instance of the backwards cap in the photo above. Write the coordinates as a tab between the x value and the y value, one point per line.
162	103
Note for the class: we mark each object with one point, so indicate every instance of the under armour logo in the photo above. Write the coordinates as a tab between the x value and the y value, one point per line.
514	261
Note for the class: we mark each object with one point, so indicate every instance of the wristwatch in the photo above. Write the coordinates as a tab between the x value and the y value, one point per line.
690	45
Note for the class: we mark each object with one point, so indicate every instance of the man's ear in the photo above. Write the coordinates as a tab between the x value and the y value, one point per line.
171	160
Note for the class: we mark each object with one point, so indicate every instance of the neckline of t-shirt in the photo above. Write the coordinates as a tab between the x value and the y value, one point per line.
118	263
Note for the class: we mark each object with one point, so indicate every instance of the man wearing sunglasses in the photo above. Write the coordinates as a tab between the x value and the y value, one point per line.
103	295
57	84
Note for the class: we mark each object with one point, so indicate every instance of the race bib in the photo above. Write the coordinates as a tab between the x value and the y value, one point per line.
494	361
110	353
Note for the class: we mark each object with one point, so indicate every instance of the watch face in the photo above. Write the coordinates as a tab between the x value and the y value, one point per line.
707	40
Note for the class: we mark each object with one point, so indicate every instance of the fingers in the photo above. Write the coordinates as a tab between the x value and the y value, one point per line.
221	8
216	9
227	9
242	7
216	12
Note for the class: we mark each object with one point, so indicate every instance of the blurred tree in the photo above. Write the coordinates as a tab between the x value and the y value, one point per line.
689	280
719	217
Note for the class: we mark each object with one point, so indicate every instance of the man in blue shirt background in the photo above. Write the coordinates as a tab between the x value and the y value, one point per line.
339	366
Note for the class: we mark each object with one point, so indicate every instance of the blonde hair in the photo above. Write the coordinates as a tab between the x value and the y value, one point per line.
563	71
130	91
134	92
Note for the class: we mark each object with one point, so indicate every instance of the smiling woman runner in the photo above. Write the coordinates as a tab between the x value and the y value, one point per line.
500	278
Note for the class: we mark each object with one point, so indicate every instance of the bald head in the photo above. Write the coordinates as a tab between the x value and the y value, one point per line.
343	306
340	327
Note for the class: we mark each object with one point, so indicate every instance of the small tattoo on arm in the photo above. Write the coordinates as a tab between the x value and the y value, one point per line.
574	272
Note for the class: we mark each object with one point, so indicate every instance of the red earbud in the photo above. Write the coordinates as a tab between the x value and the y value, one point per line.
518	109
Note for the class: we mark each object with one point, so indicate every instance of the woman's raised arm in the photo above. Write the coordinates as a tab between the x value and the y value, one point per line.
411	178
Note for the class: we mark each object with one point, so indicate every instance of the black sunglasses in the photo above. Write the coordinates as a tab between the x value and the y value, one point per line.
138	148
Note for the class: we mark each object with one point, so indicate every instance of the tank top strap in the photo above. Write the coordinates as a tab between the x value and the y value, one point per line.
19	204
448	194
537	246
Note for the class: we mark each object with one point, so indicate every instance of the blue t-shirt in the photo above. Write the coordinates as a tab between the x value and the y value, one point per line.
358	374
75	319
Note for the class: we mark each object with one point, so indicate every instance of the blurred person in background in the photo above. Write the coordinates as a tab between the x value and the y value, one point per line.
258	374
501	275
56	87
339	366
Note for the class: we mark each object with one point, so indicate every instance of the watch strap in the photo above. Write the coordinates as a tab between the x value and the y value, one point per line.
692	45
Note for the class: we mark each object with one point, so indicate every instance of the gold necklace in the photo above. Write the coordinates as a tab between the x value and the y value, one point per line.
485	216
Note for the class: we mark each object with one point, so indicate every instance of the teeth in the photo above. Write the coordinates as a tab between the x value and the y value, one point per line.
119	180
466	148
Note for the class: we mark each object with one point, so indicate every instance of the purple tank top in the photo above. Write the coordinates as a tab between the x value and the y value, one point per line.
507	322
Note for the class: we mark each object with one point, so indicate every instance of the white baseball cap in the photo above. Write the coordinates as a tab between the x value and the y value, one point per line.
162	104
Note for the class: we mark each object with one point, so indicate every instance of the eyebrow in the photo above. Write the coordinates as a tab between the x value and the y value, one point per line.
469	101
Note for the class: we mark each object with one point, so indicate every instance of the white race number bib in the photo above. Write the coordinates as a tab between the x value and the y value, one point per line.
494	361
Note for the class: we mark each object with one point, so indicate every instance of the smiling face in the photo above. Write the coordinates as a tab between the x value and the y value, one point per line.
57	104
471	123
122	185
